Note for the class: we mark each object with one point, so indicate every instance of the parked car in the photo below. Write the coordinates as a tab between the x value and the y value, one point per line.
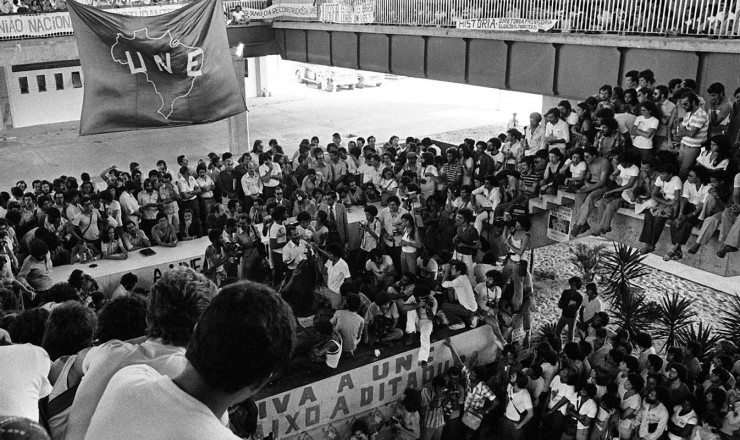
326	78
369	79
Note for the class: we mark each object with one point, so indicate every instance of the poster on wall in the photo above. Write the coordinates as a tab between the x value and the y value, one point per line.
559	222
358	13
507	24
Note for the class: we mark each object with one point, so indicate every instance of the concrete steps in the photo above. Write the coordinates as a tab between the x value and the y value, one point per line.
626	228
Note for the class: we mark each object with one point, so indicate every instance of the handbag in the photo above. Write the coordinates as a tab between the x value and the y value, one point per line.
472	419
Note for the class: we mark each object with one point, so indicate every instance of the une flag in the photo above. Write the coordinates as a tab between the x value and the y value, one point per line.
165	70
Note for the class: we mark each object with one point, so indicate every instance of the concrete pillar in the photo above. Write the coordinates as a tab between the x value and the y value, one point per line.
237	125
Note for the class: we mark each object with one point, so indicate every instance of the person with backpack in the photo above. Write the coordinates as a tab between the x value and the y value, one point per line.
519	408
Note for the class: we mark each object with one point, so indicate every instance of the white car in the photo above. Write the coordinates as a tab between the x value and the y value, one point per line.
369	79
327	78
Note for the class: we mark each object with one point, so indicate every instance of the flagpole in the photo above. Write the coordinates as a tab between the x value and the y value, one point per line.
249	141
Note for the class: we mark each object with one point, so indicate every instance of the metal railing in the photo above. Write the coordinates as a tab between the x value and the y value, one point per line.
718	18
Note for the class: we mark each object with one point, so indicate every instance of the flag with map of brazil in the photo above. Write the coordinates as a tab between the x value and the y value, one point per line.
159	71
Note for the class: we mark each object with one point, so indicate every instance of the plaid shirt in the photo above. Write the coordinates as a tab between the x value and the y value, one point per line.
475	396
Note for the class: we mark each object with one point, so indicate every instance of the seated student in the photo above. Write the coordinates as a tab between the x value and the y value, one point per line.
189	229
463	305
420	309
625	176
401	290
380	321
243	337
134	238
84	252
328	351
667	196
163	234
126	287
694	194
349	324
112	247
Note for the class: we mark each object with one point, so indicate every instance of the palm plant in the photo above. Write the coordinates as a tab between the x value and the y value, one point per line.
621	267
729	321
630	308
700	333
674	314
587	259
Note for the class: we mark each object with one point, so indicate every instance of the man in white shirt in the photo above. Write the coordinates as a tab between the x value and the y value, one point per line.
486	199
464	305
534	135
243	337
295	251
337	271
519	408
278	240
557	131
176	302
23	380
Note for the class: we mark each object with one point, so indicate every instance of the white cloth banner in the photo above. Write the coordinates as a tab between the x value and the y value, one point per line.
362	13
55	23
295	10
507	24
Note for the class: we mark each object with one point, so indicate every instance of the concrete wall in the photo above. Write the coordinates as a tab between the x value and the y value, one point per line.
44	107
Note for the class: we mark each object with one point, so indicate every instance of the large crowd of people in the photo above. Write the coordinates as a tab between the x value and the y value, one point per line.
444	244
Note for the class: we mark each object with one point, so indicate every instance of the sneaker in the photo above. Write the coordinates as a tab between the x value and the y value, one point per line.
459	326
443	318
474	321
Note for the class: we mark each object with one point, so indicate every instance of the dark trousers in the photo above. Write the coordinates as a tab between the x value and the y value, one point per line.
395	253
680	234
652	228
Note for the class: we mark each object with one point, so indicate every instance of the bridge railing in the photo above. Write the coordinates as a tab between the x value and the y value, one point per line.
717	18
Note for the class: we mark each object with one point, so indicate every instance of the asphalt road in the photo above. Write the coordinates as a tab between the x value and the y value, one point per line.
401	106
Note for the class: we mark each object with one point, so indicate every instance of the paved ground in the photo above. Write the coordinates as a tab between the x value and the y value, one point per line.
400	107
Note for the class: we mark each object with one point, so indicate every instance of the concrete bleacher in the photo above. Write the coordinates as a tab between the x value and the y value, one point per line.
626	228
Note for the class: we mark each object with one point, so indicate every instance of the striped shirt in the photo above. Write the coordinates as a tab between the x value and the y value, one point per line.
698	119
432	408
452	172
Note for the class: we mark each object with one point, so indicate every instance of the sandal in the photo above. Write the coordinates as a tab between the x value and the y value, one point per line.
677	255
669	256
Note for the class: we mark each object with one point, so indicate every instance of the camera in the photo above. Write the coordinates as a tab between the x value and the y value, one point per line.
233	248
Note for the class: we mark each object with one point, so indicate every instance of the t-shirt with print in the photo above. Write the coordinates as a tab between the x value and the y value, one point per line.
558	390
690	418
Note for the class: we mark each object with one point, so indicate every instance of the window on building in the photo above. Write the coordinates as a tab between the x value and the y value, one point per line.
59	78
41	81
76	80
23	83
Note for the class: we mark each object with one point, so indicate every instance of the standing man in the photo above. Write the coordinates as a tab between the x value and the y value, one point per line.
570	303
337	215
720	110
149	202
557	131
534	135
225	182
466	241
390	219
278	240
662	137
692	133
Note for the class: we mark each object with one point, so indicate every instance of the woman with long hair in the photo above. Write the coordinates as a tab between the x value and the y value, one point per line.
410	243
552	178
717	154
583	131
